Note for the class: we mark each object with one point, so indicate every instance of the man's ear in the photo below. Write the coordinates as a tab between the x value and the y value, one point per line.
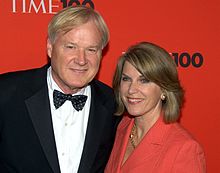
49	48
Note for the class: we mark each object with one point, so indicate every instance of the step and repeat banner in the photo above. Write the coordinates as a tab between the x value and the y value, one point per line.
188	29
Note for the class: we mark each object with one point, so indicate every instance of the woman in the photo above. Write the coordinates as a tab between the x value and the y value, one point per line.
149	139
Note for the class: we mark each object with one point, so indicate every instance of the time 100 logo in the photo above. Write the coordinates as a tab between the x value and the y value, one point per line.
67	3
185	59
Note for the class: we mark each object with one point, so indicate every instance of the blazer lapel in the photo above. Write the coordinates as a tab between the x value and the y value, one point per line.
121	144
94	129
39	110
150	145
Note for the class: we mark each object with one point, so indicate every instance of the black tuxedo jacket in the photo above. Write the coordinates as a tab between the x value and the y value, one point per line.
27	143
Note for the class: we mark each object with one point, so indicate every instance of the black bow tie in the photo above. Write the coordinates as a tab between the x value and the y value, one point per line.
78	101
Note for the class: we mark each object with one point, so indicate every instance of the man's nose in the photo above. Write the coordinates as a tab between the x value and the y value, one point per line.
81	57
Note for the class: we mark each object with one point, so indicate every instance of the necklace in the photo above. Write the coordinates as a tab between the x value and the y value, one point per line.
133	135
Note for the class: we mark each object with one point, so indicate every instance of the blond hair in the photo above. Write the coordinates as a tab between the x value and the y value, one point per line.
71	17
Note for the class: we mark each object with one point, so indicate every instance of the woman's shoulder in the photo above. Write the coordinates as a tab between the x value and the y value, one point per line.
181	136
189	152
181	132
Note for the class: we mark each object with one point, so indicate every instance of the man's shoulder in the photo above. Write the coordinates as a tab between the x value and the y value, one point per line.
21	77
22	73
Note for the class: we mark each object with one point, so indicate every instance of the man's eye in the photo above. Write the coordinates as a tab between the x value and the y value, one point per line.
70	47
92	50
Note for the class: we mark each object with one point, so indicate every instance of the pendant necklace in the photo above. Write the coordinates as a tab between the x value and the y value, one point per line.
133	136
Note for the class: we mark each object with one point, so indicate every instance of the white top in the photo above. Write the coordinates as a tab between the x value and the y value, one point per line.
69	128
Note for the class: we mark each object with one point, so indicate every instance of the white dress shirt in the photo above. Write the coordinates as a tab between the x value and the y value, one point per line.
69	128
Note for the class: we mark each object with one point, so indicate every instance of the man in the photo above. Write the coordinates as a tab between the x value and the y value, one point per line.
41	129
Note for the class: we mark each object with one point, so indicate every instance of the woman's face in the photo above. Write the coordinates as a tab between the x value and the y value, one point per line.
140	96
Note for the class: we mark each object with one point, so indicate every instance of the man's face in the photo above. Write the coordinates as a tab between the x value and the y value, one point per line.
75	57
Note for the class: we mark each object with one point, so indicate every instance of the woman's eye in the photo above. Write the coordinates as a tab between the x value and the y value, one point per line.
144	80
124	78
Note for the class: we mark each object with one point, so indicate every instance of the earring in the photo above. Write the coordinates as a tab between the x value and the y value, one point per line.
163	97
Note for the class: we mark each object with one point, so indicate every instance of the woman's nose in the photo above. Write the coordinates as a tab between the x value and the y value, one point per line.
133	88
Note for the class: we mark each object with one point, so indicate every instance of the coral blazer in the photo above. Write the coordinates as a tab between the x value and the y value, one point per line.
166	148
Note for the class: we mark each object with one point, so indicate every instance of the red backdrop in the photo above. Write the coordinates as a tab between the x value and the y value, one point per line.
189	29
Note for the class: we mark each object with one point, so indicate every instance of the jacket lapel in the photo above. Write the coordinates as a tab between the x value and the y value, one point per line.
120	145
150	146
94	131
39	110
